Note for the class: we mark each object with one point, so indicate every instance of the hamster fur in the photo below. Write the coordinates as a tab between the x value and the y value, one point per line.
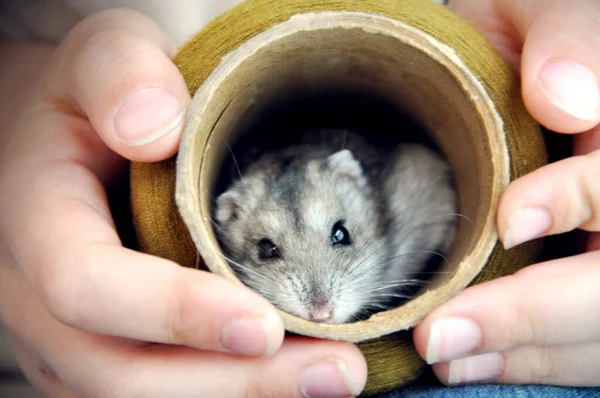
331	234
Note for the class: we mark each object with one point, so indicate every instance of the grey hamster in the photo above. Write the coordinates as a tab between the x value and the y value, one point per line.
333	227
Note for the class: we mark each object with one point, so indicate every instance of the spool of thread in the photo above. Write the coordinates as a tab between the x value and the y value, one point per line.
417	56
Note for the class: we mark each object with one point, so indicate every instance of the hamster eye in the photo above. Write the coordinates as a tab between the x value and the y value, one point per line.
339	234
267	250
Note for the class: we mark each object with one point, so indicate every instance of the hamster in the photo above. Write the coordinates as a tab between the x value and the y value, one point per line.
332	228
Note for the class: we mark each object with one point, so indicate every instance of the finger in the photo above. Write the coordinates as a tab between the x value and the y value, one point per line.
556	198
115	69
565	365
592	243
72	256
494	26
301	368
73	259
545	304
561	62
554	44
586	142
92	365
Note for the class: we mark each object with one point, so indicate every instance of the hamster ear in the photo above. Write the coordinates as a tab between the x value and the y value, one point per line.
227	206
344	164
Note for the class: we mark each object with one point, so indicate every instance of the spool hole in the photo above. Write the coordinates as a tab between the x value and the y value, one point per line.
280	123
355	78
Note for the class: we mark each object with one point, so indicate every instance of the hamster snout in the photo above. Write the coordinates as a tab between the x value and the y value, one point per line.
320	308
331	235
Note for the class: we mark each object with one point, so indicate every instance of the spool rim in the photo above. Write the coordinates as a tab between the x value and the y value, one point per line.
189	202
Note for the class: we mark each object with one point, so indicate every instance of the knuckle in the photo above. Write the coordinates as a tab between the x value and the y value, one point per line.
114	49
543	366
53	290
181	326
176	312
60	286
120	59
590	192
108	46
254	389
522	329
101	20
258	386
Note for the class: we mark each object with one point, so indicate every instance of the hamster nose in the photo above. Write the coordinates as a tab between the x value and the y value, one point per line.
320	309
322	314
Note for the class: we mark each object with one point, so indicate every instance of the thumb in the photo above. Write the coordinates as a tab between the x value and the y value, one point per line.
114	68
560	63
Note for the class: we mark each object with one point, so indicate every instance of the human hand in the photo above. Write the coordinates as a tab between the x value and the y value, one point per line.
539	326
91	318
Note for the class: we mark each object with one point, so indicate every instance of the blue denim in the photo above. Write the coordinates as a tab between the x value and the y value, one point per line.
493	391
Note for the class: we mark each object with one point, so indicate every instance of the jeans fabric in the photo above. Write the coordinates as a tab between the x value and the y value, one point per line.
493	391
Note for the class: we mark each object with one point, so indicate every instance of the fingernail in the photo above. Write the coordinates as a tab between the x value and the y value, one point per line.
526	224
328	379
451	338
148	115
479	368
571	87
247	336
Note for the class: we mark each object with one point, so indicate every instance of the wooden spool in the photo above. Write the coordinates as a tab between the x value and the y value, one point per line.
462	93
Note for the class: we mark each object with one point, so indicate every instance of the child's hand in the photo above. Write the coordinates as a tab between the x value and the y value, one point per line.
540	325
82	309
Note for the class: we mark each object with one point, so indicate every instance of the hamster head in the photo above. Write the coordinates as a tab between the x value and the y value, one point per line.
305	235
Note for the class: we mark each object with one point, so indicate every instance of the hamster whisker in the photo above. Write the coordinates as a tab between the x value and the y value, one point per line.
344	140
381	306
222	231
413	280
277	303
213	222
456	215
353	266
355	280
246	269
429	272
359	251
420	251
402	296
437	254
238	264
235	162
416	283
350	271
417	252
355	318
361	315
377	292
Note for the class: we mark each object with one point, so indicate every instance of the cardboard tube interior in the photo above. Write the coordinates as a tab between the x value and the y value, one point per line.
408	69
